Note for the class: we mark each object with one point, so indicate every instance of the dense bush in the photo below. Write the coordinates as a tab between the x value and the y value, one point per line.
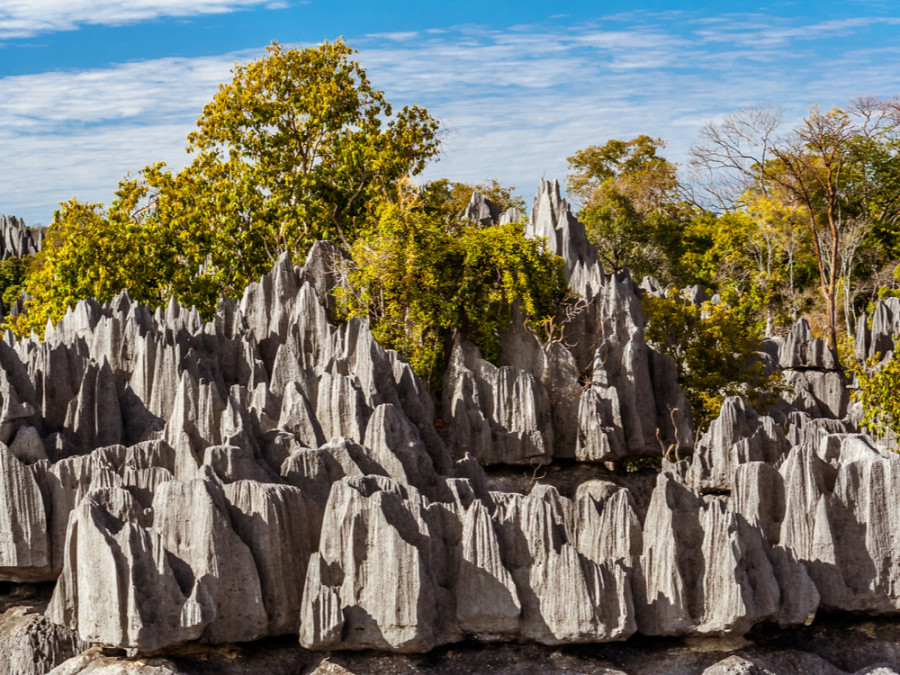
715	351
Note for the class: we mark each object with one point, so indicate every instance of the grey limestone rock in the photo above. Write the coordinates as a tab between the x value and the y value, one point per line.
853	538
387	599
863	338
819	393
705	569
341	407
800	350
601	434
268	473
815	383
30	644
607	524
565	596
499	415
17	240
24	544
736	436
651	286
397	448
231	463
773	664
137	602
96	662
278	523
217	566
27	446
554	365
635	393
885	325
695	295
487	603
481	210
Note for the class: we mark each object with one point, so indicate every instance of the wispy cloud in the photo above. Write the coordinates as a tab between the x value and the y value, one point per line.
754	31
66	134
517	102
25	18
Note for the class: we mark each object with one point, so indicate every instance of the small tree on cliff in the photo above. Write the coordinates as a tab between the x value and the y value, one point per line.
629	204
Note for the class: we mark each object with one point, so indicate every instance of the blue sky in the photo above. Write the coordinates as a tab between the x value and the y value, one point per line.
92	89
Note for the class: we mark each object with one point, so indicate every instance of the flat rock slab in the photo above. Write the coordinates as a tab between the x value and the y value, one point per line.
831	646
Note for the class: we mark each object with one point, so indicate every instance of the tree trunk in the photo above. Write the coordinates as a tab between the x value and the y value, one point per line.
831	330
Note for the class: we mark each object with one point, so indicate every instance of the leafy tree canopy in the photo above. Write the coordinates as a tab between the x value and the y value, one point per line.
417	279
878	390
12	277
715	352
838	170
630	205
298	147
304	145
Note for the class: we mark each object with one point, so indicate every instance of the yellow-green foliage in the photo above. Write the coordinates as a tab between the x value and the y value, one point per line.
630	205
416	279
305	143
147	241
91	251
879	394
715	353
12	276
755	258
298	147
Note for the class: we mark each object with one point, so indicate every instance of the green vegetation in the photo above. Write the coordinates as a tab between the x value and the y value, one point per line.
12	277
879	394
416	279
629	204
715	352
301	146
298	147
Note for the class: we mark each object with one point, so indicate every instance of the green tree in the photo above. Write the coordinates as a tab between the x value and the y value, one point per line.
878	390
755	256
303	146
298	147
715	351
12	278
92	251
417	279
629	204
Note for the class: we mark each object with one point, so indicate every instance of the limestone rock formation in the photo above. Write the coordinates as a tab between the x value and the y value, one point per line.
30	644
816	384
273	473
17	240
736	436
628	400
24	544
879	339
499	415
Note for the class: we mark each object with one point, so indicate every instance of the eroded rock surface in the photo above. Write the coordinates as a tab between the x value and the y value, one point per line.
270	473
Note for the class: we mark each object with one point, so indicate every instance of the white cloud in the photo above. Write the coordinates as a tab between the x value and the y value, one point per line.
77	133
25	18
517	102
